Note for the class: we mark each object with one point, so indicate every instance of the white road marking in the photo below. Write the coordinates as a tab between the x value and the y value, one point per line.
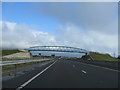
83	71
23	85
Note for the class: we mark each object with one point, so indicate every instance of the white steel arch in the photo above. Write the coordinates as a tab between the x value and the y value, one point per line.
58	49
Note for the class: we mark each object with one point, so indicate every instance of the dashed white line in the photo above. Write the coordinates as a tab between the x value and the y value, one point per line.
83	71
23	85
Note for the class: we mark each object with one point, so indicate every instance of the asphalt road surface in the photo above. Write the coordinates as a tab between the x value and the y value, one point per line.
71	74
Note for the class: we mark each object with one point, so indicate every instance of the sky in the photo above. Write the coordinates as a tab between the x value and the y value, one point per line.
88	25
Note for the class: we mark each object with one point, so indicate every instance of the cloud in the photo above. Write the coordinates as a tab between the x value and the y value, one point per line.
21	36
100	16
89	25
73	35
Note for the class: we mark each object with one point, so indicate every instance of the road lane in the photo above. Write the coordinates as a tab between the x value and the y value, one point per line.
71	74
30	80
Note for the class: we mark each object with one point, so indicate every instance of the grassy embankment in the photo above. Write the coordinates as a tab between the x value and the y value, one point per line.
8	52
102	57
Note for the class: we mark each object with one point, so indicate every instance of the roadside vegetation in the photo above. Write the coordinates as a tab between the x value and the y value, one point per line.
8	52
102	57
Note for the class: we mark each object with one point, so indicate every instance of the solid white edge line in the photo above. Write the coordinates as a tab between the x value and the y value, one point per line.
23	85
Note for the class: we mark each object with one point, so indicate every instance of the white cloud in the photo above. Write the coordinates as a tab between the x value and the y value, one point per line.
21	36
93	25
8	24
92	40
